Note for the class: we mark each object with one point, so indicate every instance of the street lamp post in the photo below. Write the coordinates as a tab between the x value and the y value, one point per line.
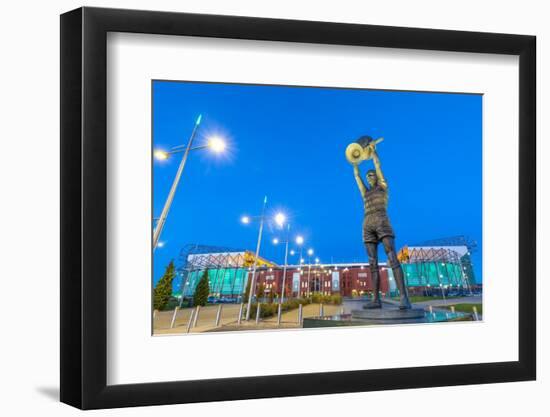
280	219
309	253
254	266
217	145
168	202
300	242
283	288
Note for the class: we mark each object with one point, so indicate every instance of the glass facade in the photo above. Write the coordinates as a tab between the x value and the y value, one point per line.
224	282
420	274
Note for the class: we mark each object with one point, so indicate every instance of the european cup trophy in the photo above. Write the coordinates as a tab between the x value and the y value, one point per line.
361	150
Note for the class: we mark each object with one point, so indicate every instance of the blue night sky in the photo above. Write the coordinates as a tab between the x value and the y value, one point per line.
288	143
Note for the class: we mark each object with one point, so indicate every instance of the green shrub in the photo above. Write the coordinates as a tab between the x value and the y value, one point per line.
270	310
172	303
326	299
316	298
336	299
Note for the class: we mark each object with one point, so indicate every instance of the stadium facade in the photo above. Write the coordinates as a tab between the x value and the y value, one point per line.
428	269
437	266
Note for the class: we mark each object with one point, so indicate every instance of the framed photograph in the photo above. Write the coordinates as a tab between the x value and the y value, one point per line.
259	208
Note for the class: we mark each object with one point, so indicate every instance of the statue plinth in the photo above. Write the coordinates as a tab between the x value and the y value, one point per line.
389	313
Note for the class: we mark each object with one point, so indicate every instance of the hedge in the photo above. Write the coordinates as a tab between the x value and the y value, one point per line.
269	310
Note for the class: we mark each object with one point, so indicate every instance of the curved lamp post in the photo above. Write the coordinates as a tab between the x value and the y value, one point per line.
215	144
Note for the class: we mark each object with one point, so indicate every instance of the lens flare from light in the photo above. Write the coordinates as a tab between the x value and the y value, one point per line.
217	144
160	155
280	219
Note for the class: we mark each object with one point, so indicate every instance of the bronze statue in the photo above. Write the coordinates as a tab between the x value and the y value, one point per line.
376	223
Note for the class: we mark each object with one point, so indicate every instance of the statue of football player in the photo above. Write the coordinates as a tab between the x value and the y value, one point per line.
377	227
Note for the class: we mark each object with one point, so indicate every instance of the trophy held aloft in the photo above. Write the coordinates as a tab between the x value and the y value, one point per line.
361	149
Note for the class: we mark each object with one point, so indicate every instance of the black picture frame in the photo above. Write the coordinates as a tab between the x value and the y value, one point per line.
84	207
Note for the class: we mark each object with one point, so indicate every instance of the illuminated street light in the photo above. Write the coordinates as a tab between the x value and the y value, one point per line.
275	241
245	219
280	219
310	252
299	240
160	155
292	252
216	144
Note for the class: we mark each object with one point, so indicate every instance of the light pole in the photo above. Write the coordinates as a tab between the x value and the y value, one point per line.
246	220
317	265
217	145
309	254
280	219
300	242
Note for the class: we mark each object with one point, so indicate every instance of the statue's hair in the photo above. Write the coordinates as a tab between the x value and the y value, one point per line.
371	170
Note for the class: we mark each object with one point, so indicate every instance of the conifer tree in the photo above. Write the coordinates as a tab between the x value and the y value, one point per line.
163	289
200	298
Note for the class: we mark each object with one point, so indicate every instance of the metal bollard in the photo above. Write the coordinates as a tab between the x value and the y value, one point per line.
240	314
342	310
196	317
174	317
279	315
321	310
452	309
476	316
155	314
190	322
258	309
300	314
218	315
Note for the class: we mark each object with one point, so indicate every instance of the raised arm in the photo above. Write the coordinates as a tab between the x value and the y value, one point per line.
381	179
359	180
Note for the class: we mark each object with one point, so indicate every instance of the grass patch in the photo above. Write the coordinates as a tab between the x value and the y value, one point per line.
422	298
466	308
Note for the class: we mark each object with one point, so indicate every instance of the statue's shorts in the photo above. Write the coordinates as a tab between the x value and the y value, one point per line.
376	229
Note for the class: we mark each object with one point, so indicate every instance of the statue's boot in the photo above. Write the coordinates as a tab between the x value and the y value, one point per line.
375	303
404	303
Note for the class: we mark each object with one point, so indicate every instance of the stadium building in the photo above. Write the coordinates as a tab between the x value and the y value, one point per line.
428	270
434	268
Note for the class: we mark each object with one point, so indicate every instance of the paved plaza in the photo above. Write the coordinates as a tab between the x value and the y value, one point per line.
206	321
229	319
